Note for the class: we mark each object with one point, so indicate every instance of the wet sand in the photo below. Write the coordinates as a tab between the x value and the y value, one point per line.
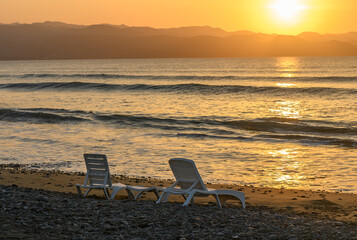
320	204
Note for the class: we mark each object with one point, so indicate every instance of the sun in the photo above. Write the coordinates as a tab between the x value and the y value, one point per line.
287	10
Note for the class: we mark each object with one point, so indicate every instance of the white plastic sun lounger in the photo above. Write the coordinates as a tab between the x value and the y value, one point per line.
190	184
98	177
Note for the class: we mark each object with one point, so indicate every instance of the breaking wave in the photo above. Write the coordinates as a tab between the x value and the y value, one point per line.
177	88
263	129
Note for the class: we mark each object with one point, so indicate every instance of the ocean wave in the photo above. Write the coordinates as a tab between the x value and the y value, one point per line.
217	125
312	139
179	88
129	76
268	129
33	140
12	115
266	125
272	125
328	79
181	77
55	110
346	143
197	135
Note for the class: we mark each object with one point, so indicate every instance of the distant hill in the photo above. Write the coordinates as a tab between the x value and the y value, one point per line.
56	40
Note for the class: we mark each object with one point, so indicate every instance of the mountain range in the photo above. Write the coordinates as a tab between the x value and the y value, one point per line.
56	40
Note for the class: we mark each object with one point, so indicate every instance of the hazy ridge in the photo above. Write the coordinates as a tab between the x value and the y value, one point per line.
55	40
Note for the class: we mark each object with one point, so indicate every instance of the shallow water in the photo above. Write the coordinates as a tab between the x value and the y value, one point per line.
278	122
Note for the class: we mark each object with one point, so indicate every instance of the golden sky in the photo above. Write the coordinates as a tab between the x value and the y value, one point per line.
267	16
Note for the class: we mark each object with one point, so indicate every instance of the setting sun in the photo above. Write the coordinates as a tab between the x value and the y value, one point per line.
287	10
265	16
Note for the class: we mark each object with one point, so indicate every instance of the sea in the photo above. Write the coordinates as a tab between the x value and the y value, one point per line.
285	122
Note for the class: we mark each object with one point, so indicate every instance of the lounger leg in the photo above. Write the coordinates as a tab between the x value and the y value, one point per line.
115	191
189	199
241	197
138	195
166	197
141	193
232	195
163	198
86	193
106	193
130	194
79	191
157	194
218	201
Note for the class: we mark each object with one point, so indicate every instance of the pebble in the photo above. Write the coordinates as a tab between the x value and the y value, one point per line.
273	237
42	198
292	237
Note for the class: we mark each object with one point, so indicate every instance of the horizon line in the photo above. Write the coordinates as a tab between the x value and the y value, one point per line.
87	25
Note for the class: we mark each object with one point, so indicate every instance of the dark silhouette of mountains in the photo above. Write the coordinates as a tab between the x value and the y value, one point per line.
56	40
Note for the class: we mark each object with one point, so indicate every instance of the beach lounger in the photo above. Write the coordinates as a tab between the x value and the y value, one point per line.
189	184
98	177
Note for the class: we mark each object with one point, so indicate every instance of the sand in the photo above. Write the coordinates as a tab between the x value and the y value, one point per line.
320	204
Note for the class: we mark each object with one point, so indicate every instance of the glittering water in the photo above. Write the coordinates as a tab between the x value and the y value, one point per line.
279	122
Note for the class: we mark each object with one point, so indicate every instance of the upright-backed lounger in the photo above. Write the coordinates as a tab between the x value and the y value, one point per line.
98	177
190	184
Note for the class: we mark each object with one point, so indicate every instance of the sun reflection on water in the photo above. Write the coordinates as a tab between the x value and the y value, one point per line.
286	85
287	66
287	109
287	169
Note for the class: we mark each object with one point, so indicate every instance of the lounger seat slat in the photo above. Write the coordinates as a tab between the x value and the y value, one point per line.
96	166
97	172
93	169
97	178
95	160
100	177
96	182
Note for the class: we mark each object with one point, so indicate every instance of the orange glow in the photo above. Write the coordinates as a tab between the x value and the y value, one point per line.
266	16
287	10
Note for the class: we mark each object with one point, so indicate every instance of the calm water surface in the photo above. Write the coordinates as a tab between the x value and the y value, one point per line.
278	122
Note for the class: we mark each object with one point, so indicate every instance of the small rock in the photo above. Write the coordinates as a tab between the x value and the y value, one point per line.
338	223
273	237
42	198
292	237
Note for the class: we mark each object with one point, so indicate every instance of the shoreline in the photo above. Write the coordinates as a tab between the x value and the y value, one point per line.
335	206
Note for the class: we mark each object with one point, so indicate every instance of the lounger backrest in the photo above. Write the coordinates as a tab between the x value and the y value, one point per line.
186	173
97	170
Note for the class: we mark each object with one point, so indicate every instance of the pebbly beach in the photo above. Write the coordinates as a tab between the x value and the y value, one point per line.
39	204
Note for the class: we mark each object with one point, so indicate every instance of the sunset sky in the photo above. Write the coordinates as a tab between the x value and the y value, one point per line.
267	16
